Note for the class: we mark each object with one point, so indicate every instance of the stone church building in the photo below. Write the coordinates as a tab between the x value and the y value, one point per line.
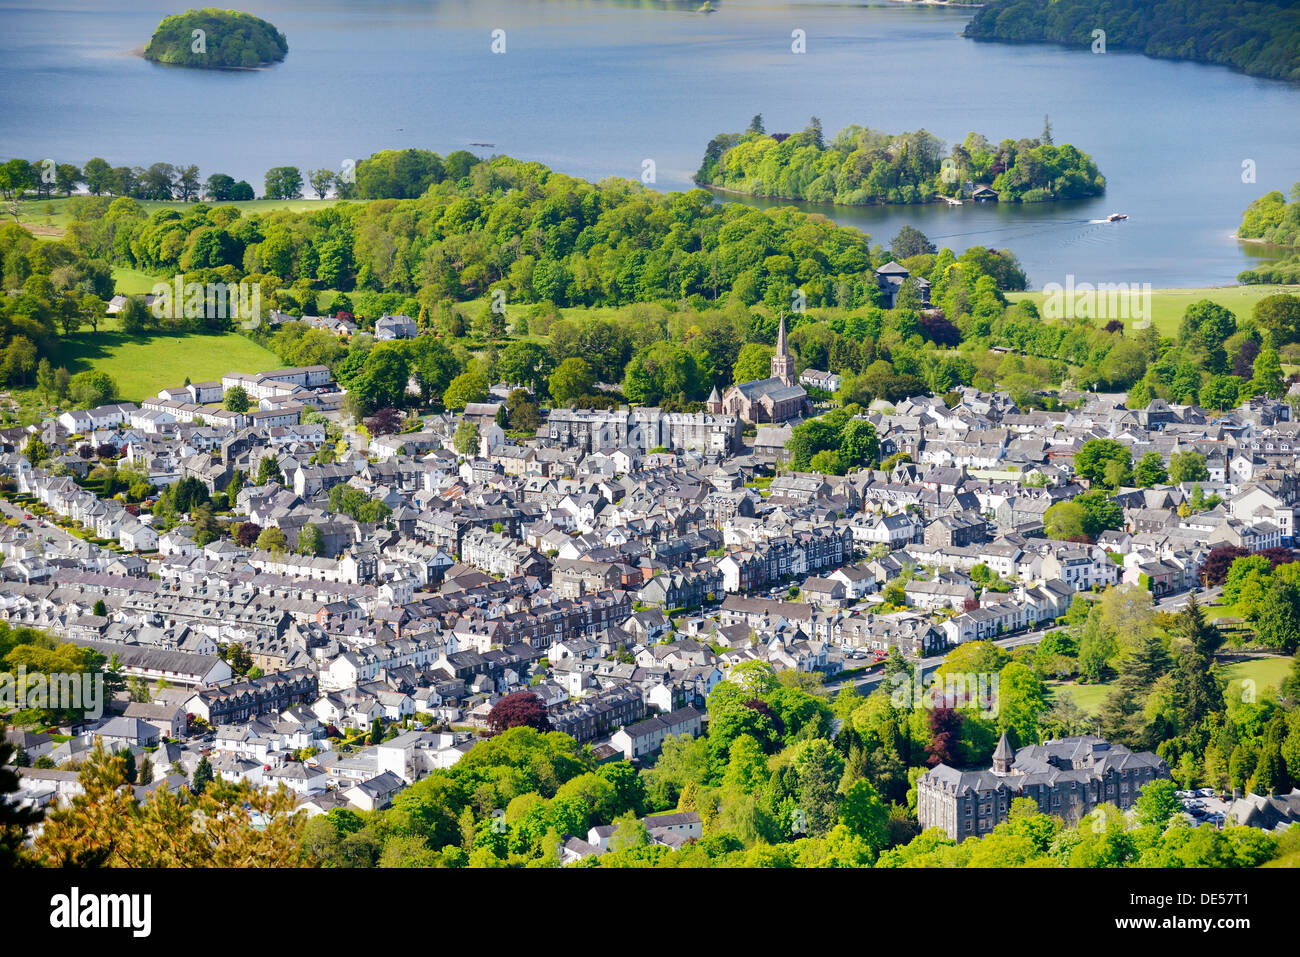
775	399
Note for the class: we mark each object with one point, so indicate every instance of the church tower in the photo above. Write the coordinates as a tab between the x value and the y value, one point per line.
1004	757
782	363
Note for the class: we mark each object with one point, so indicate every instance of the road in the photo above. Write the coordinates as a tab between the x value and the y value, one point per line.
49	532
866	682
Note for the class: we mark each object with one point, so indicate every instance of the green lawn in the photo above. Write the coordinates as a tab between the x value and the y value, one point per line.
132	282
1265	672
49	217
1168	305
1087	698
141	365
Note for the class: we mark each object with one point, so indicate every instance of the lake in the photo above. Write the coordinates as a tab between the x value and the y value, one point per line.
594	89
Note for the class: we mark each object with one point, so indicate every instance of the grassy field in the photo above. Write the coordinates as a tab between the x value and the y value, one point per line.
1087	698
132	282
1265	672
141	365
1168	305
49	217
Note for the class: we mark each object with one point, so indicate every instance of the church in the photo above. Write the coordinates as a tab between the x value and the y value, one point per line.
775	399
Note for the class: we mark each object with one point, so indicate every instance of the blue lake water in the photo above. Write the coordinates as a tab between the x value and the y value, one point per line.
595	88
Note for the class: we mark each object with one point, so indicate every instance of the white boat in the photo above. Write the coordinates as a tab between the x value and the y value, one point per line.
1116	217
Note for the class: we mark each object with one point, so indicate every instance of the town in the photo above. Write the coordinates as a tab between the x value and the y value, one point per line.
372	617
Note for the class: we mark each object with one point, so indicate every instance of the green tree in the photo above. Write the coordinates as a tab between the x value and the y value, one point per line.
572	379
1150	470
202	776
1095	455
284	182
236	399
471	386
273	540
1268	378
1188	467
311	541
467	438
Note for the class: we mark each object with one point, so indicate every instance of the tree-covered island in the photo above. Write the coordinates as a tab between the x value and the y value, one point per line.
213	39
863	167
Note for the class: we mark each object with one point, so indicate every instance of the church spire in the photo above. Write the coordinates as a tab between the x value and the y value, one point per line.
1004	756
782	363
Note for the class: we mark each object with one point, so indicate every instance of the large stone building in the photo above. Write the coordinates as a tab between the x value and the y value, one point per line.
1067	778
778	398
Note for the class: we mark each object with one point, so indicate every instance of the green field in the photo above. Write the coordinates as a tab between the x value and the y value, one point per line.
1087	698
49	217
132	282
141	365
1265	672
1168	305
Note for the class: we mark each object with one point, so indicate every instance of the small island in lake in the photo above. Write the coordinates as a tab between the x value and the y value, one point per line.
212	39
865	167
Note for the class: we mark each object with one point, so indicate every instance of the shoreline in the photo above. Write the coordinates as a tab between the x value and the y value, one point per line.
938	200
1263	242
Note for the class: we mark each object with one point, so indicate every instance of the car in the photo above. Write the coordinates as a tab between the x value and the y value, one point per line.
28	515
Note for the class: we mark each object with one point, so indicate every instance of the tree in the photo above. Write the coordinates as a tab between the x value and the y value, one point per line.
273	540
100	610
572	379
520	709
1187	467
311	541
1268	378
467	438
756	124
1066	521
865	815
753	362
92	388
471	386
202	776
97	175
910	242
284	182
1218	563
36	451
385	421
1095	455
134	316
1279	316
1277	622
522	412
15	818
236	399
1158	803
1150	470
376	735
187	182
91	309
219	187
268	470
321	180
524	363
